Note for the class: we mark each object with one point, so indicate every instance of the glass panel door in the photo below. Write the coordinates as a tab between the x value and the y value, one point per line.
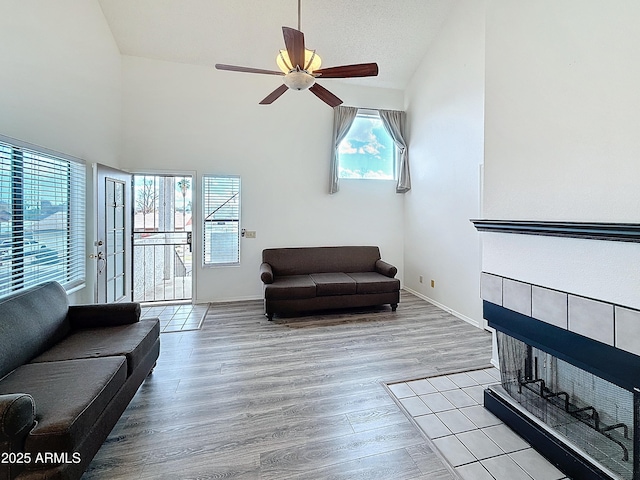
113	247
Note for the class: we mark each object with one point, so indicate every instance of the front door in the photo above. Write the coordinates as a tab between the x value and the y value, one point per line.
113	245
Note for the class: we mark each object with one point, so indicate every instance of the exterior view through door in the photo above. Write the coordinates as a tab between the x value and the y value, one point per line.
162	253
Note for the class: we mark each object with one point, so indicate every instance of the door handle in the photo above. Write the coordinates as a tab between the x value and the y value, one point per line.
101	261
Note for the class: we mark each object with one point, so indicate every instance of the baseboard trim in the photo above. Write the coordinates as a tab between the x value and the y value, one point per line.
459	315
444	307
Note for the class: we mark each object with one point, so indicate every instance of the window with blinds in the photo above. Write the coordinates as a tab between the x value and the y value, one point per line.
42	219
221	230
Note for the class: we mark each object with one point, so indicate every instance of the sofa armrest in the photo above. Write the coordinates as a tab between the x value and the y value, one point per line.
17	416
386	269
104	314
266	273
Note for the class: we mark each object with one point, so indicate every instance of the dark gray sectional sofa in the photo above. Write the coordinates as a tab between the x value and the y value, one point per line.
316	278
66	375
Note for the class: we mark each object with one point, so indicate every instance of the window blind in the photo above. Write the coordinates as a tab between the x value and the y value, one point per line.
221	230
42	219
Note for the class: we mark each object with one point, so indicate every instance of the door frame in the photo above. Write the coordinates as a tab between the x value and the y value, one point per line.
195	232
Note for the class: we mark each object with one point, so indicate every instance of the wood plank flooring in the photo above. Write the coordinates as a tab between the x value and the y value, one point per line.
296	398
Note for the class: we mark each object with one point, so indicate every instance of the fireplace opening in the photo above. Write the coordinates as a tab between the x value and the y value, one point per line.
589	414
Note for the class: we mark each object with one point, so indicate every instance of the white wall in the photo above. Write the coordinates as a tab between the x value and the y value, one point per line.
446	108
60	84
60	78
183	118
562	143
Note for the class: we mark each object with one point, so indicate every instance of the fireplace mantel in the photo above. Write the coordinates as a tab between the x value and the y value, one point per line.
620	232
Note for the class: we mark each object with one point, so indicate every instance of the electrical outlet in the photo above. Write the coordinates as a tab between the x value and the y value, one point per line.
250	234
433	284
421	279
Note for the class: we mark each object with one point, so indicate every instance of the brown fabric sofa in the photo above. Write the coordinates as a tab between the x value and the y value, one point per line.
66	375
317	278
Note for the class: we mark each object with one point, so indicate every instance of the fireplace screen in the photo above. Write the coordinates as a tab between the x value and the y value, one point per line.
589	413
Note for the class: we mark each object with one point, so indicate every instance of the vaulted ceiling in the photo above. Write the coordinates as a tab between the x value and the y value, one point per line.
394	33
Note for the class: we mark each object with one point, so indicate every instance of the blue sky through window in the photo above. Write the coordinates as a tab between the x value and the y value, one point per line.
367	151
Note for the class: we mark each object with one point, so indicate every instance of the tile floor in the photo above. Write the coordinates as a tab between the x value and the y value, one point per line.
177	318
449	410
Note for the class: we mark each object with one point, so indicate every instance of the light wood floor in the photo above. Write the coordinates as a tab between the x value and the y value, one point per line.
296	398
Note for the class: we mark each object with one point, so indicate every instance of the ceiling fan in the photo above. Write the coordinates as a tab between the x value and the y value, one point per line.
301	67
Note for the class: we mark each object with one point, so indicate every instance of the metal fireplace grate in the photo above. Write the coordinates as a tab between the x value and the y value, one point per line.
588	412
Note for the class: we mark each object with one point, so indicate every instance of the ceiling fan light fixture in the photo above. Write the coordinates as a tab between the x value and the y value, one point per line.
312	61
302	75
298	80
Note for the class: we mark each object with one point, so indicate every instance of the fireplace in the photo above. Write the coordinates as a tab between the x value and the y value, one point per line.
586	411
567	385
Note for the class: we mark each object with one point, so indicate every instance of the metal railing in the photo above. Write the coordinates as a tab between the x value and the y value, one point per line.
162	266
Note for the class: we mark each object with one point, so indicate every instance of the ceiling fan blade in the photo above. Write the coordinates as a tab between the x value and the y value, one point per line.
348	71
325	95
273	96
294	41
235	68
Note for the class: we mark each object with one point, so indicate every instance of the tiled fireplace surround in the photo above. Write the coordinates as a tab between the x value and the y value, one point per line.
604	322
614	326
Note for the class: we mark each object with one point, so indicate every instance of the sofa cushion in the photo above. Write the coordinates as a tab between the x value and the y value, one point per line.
133	341
333	284
69	396
373	282
306	260
32	321
290	287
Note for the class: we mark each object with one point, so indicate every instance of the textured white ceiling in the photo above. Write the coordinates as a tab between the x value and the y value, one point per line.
394	33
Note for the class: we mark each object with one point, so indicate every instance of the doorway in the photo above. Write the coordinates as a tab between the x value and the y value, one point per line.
162	238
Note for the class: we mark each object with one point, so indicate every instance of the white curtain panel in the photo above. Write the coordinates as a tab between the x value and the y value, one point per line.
394	121
343	117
